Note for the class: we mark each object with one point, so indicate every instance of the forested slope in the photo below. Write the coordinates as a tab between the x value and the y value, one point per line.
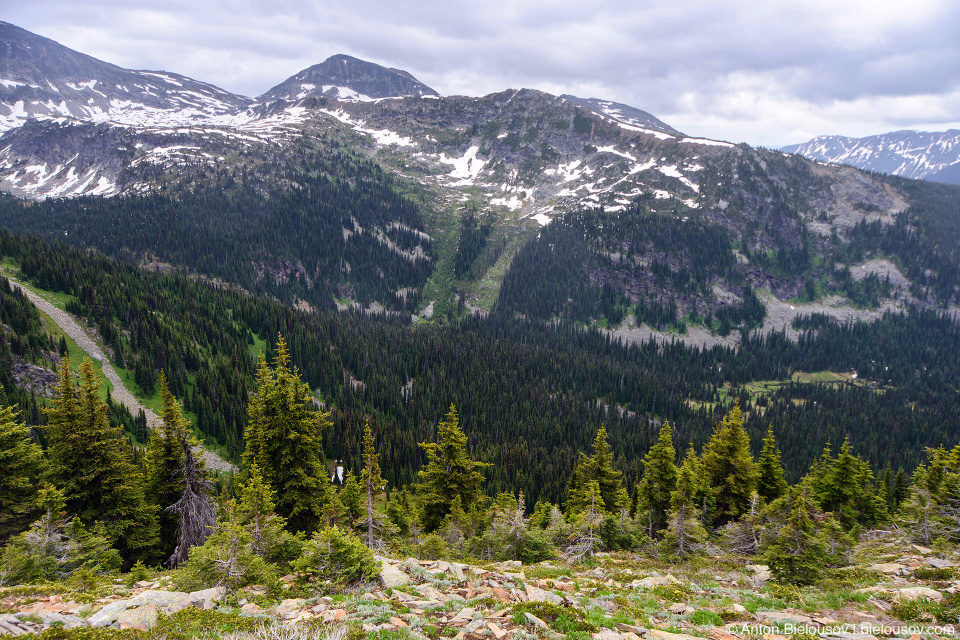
531	395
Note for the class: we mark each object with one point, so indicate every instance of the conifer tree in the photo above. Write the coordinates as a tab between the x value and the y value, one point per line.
255	513
351	498
283	440
21	467
728	467
797	554
91	462
598	468
373	483
770	482
449	473
686	534
659	480
164	462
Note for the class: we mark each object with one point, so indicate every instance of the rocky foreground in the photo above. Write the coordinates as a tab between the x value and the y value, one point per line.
617	597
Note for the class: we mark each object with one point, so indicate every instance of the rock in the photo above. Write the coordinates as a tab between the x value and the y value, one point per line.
501	594
498	633
290	609
844	635
168	602
918	593
736	607
659	634
334	615
655	581
109	614
516	577
535	594
781	617
760	571
391	577
891	568
457	571
680	608
536	621
207	598
142	618
64	621
922	550
464	615
607	634
398	623
629	628
12	626
722	634
939	563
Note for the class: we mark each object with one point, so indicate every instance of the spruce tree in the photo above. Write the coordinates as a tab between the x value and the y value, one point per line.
770	482
797	555
91	462
659	480
686	534
598	468
164	462
449	473
283	440
728	467
21	467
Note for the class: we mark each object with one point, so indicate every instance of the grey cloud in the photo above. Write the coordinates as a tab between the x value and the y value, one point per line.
783	66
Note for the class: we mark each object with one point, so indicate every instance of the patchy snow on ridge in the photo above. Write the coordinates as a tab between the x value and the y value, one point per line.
466	168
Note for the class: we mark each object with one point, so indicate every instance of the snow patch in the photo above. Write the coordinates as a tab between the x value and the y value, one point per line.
704	141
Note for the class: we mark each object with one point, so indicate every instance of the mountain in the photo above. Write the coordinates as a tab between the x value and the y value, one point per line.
423	204
913	154
624	113
346	78
41	78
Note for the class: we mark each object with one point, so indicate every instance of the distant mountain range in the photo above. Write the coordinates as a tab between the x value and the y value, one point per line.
912	154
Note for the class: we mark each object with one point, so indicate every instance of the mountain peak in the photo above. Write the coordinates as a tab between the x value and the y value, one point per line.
347	78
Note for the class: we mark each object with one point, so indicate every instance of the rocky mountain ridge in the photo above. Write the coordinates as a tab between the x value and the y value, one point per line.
515	160
922	155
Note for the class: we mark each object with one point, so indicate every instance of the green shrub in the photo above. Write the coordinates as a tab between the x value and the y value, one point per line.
933	573
432	547
703	618
226	559
56	550
335	555
566	620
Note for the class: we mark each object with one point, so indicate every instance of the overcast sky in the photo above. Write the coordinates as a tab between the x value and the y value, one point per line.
766	72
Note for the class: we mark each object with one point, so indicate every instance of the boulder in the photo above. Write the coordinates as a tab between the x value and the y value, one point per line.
891	568
207	598
168	602
939	563
918	593
535	594
109	614
781	617
760	571
391	577
659	634
142	618
50	619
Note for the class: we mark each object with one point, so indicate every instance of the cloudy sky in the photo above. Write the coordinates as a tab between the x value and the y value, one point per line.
766	72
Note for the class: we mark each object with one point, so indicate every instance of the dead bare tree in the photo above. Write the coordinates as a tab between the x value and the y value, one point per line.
198	513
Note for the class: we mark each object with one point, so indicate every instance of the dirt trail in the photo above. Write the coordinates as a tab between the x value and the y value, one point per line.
119	393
